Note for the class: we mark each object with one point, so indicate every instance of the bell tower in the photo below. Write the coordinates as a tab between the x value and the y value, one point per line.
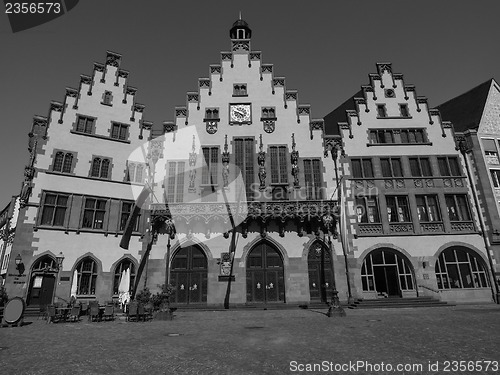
240	30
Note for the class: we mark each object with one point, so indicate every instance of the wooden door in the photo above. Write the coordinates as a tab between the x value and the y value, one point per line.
189	276
320	273
265	276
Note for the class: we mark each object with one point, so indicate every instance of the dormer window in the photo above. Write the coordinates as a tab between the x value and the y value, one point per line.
381	110
106	98
240	89
403	110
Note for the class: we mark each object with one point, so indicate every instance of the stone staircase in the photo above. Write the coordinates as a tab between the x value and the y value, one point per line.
384	303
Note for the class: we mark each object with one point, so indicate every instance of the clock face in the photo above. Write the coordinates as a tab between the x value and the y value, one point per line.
240	113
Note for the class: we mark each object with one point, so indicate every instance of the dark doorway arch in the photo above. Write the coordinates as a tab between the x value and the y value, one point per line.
42	281
189	275
387	272
320	272
265	274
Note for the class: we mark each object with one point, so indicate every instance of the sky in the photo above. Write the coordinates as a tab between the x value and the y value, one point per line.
325	50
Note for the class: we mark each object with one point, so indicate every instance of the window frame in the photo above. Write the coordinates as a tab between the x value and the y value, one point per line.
87	128
125	214
119	135
459	215
363	167
118	274
240	89
403	110
91	275
397	204
64	165
391	161
175	181
495	177
444	162
475	265
419	165
426	206
45	206
210	166
381	111
278	155
367	202
94	211
313	175
102	160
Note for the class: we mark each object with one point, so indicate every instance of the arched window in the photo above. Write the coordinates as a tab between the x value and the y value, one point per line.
458	267
45	263
386	271
125	264
68	161
58	162
63	162
100	168
87	276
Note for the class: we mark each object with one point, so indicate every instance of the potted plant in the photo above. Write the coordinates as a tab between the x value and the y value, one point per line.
161	303
3	300
3	296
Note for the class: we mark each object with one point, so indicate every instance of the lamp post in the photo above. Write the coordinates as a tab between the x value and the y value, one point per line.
19	264
170	230
334	151
334	309
59	259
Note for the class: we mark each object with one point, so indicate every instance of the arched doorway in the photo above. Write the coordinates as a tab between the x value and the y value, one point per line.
387	272
42	281
320	272
189	275
265	276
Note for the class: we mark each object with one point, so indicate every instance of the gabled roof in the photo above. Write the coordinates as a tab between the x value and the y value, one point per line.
465	110
339	114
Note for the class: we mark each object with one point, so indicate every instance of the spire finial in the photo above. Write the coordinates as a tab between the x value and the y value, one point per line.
240	15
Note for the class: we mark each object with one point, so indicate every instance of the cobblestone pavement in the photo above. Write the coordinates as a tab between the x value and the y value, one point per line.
261	342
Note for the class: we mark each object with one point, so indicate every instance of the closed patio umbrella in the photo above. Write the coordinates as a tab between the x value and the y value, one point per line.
74	284
121	287
126	286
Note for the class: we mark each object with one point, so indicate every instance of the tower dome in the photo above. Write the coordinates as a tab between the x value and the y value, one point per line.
240	30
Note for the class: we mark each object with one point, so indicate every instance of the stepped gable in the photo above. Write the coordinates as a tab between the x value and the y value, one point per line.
465	111
384	87
240	35
102	74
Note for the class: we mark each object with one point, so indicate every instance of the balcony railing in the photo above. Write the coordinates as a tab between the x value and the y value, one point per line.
283	210
401	228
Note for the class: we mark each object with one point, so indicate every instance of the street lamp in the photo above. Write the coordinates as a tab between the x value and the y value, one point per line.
334	309
170	230
59	259
19	264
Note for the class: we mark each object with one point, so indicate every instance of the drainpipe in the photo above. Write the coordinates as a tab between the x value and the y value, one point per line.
494	290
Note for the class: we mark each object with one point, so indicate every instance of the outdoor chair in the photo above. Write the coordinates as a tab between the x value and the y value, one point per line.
52	317
141	312
109	313
83	309
74	315
42	312
148	312
132	311
94	312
